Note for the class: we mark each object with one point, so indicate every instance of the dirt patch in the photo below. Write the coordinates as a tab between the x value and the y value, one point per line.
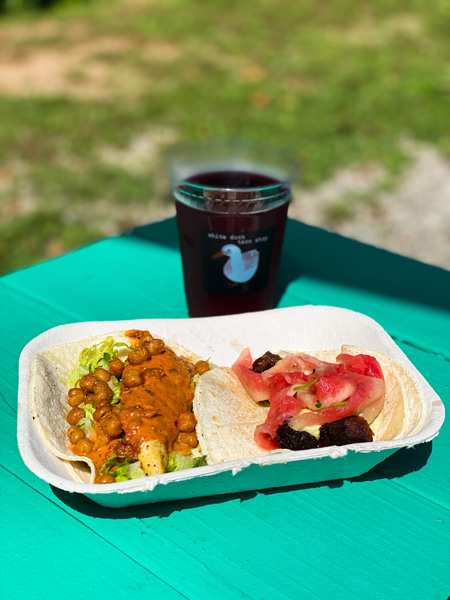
413	219
368	33
140	155
76	63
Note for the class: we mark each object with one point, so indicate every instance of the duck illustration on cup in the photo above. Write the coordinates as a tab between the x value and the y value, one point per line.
240	266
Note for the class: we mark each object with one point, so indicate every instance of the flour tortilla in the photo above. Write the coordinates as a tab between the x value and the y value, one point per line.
48	404
227	416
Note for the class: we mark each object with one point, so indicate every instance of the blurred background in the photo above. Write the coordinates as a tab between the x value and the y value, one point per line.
94	93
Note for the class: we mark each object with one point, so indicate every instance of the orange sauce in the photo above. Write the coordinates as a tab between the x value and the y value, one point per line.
151	410
148	411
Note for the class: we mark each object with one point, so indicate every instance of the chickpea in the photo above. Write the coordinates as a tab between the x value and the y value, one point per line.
76	396
83	446
146	336
187	422
102	374
201	366
116	367
189	439
111	426
131	377
137	356
74	415
101	411
87	382
137	333
102	391
104	479
181	448
100	403
154	346
75	434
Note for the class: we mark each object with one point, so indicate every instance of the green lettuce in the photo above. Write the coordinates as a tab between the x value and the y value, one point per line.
194	380
88	420
123	468
97	355
179	462
89	410
116	386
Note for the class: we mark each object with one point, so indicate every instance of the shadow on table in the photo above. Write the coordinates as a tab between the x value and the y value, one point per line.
404	461
331	257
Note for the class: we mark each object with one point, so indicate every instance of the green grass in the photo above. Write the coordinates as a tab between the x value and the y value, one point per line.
340	83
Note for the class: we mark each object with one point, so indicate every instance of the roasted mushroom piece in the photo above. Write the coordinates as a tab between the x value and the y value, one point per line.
350	430
264	362
291	439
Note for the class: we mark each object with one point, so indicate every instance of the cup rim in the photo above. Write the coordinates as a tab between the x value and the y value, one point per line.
273	159
248	189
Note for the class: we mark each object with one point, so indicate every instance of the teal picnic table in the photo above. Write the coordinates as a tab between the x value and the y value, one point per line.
382	535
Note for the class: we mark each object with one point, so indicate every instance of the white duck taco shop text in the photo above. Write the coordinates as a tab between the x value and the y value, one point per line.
236	263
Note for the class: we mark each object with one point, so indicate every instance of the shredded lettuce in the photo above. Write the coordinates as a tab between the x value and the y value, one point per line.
102	352
179	462
89	410
87	422
115	385
97	355
85	425
123	468
194	380
77	374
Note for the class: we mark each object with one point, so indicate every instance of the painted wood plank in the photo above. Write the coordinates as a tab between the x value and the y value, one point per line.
144	281
386	532
255	545
425	469
52	554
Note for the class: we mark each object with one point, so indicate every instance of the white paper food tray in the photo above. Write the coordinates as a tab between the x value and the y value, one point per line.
220	339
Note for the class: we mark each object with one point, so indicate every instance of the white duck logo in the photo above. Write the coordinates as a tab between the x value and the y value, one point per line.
240	266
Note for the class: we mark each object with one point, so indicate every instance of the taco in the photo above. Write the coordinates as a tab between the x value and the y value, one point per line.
117	408
297	401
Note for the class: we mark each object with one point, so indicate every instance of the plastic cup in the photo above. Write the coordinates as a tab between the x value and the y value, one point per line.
231	201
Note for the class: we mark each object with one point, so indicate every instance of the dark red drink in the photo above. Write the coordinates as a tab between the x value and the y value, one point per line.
231	227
